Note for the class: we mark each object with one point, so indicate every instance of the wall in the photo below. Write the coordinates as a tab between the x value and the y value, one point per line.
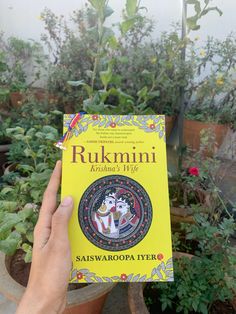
21	18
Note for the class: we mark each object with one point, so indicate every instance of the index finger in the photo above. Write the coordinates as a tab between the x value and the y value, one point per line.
49	203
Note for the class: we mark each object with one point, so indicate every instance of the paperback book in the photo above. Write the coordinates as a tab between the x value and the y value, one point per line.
115	168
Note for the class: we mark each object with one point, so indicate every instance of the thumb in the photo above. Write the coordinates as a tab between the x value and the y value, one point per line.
60	220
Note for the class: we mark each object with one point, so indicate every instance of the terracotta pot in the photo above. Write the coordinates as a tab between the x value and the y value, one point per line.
87	300
16	99
169	122
40	94
43	95
3	157
9	167
193	128
180	215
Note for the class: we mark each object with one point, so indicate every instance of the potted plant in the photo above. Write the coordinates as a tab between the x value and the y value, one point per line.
204	282
195	186
18	56
20	198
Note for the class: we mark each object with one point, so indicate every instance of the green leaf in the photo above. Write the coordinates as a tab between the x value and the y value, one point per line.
204	12
9	221
56	112
108	11
28	250
96	3
153	94
41	167
195	303
49	129
8	206
106	77
36	195
6	190
76	83
28	257
25	213
192	23
4	92
113	43
21	228
16	130
10	245
26	247
89	73
107	34
131	7
26	168
197	8
127	25
146	72
43	176
142	93
191	1
29	236
203	308
92	106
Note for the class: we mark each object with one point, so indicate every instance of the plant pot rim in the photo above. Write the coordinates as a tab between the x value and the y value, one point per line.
14	291
206	123
4	148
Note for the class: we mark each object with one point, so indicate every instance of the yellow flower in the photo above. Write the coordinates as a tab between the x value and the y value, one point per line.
39	17
202	53
220	81
197	38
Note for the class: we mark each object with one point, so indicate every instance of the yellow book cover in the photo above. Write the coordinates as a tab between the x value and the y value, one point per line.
115	168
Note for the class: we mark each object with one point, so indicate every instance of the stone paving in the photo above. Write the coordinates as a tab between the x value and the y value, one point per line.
6	306
116	302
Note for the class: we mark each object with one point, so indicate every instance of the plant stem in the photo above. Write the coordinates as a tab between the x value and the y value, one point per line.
221	200
181	89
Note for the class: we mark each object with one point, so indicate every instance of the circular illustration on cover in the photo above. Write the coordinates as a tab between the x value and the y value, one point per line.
115	213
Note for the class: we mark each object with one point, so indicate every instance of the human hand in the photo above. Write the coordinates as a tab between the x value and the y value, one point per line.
51	260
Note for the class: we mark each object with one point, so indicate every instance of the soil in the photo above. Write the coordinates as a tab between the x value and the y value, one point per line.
222	308
19	271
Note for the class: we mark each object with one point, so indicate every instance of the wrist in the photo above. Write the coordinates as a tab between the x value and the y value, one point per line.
38	303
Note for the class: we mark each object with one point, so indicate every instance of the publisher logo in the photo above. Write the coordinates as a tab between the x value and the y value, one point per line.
115	213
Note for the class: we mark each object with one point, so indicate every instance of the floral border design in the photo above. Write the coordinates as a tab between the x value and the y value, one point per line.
147	123
162	272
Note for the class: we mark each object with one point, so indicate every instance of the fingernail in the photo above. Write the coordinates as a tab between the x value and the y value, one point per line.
67	201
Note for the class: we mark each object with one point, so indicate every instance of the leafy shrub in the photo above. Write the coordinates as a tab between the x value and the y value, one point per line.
207	277
16	59
34	155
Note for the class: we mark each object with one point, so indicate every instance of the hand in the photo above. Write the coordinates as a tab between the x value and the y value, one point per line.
51	260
